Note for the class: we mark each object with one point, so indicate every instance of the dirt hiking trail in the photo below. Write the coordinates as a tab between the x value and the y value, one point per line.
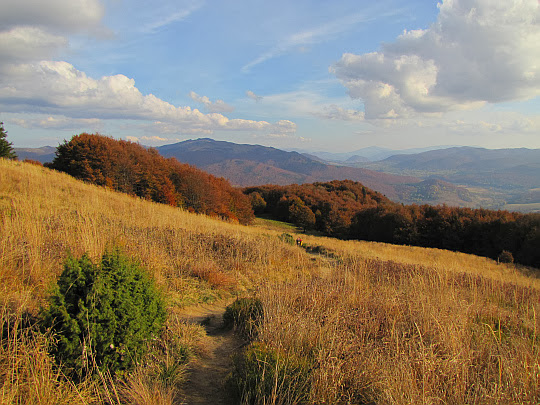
207	374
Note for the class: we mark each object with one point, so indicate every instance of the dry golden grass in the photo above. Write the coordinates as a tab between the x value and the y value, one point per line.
45	214
382	323
386	332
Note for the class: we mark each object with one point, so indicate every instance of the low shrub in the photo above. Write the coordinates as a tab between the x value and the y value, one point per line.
245	315
287	238
263	374
102	316
506	257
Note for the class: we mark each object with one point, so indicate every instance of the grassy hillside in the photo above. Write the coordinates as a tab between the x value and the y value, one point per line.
349	322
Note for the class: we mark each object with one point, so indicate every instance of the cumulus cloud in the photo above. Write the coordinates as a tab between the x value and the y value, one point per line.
31	31
217	106
55	15
253	96
59	88
24	44
477	52
31	82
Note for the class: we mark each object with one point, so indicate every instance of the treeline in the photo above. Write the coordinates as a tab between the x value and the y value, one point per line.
130	168
348	210
326	207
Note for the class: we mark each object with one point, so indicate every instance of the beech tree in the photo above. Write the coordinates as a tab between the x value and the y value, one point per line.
301	215
130	168
6	148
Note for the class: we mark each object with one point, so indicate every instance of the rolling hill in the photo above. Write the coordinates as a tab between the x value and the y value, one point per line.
253	165
44	154
504	176
458	176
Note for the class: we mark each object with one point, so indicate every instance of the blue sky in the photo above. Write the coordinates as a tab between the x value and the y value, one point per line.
312	75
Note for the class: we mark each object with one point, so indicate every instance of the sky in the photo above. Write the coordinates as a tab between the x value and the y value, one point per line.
312	75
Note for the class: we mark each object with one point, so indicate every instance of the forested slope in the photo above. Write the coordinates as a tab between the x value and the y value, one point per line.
130	168
348	210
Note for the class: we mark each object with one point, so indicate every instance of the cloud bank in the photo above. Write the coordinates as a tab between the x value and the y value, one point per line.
477	52
32	82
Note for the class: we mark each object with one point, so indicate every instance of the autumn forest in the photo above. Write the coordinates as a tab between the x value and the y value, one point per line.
342	209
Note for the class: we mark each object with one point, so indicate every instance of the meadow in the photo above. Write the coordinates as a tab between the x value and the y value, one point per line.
343	321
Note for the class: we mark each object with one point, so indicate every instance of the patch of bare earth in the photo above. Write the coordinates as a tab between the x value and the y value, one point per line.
207	374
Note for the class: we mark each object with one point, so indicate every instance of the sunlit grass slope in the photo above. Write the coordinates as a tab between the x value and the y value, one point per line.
375	323
45	214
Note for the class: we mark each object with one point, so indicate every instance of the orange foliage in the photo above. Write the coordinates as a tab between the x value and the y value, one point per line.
130	168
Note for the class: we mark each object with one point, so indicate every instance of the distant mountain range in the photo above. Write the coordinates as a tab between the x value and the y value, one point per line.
252	165
504	176
460	176
44	154
369	154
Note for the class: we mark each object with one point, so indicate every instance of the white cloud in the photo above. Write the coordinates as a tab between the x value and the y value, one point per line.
478	51
154	138
309	104
58	122
59	88
33	34
217	106
32	30
56	15
253	96
167	16
23	44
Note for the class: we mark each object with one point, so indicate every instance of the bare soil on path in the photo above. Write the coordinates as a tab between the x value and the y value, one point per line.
207	374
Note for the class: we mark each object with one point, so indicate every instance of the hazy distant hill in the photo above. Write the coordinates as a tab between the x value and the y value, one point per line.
499	168
436	192
43	154
253	165
369	154
460	176
495	176
467	159
206	152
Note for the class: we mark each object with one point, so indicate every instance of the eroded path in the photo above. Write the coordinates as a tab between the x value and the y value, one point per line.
207	374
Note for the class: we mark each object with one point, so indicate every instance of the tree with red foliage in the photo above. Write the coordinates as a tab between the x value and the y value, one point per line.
130	168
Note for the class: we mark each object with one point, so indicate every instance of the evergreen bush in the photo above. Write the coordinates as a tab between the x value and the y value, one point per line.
102	316
6	148
287	238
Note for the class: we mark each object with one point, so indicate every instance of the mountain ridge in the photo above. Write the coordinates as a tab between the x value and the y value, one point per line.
251	165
